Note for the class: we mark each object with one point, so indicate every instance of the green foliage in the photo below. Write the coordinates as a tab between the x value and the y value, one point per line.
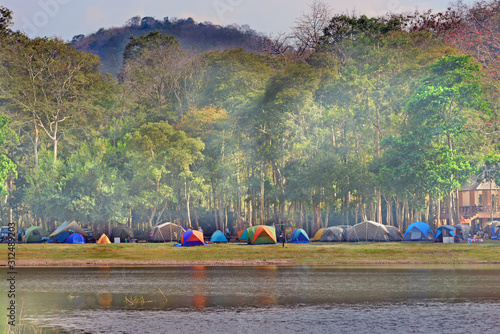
152	40
7	167
377	113
5	19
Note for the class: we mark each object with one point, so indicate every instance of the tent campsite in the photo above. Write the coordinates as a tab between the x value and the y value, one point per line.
65	230
491	228
103	240
367	231
35	234
333	234
418	231
261	234
218	236
299	236
166	232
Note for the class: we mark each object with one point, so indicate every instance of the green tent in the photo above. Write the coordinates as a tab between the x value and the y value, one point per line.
35	234
261	234
123	232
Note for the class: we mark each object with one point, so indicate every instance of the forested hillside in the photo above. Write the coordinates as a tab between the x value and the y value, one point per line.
371	118
199	37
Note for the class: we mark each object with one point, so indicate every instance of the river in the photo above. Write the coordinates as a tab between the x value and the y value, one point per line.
271	299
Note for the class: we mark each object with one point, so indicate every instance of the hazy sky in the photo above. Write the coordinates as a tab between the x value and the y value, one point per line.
67	18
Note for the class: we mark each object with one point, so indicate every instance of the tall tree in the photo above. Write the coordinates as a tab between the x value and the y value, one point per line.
53	84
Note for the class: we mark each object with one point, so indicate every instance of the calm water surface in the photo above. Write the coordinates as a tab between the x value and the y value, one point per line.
271	299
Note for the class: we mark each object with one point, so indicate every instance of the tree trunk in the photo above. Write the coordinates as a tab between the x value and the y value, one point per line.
187	195
262	199
325	224
438	211
388	218
427	208
450	208
315	224
379	205
214	195
35	147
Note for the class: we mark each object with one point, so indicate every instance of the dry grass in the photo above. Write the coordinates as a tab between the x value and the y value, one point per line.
334	253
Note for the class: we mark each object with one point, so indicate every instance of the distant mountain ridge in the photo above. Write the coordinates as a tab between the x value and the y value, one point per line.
109	43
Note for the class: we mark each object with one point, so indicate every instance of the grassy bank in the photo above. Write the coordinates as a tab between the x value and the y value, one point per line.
324	253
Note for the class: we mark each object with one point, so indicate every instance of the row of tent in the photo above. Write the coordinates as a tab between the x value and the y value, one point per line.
365	231
262	234
375	232
71	233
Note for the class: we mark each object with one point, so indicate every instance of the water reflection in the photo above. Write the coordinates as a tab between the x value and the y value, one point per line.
50	293
200	275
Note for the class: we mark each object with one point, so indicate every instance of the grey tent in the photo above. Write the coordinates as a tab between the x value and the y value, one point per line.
367	231
123	232
463	230
166	232
332	234
394	234
73	227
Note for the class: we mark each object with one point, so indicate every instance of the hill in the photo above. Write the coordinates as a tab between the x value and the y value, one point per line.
110	43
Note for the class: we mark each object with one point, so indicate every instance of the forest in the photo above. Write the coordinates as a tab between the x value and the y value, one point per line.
345	119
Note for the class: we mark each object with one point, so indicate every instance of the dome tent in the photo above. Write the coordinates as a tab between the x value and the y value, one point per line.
35	234
317	236
242	235
394	234
167	232
333	234
367	231
261	234
123	232
444	231
75	238
418	231
463	230
299	236
192	238
218	236
103	240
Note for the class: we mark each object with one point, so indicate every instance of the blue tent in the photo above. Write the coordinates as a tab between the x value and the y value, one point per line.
75	238
242	235
299	236
418	231
218	236
444	230
61	237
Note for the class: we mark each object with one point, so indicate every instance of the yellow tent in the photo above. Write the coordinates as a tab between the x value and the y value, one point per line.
103	240
318	234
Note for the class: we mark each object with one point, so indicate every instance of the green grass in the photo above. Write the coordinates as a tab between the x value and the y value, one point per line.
335	253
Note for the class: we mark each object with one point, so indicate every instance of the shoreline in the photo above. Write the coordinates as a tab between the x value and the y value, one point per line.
229	263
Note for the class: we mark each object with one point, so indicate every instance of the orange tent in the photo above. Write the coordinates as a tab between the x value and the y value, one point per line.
242	235
192	238
261	234
103	240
